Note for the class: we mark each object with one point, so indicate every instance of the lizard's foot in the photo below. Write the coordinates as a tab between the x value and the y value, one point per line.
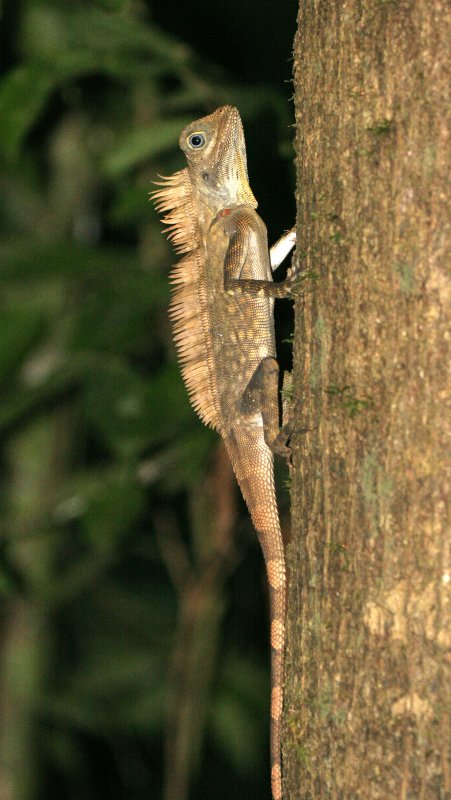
280	446
294	276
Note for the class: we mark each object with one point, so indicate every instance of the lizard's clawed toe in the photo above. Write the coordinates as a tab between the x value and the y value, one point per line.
281	446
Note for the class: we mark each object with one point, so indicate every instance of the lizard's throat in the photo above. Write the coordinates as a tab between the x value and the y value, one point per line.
237	182
226	186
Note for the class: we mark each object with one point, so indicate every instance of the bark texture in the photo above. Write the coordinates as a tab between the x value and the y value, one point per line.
366	684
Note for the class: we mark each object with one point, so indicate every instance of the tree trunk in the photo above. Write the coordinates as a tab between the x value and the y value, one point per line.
365	712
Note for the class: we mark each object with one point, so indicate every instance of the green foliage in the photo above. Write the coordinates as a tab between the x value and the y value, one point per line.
23	94
242	687
142	143
98	438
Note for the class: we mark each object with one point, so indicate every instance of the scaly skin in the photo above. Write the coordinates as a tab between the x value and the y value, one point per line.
222	312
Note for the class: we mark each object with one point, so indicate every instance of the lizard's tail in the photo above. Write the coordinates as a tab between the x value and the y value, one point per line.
252	462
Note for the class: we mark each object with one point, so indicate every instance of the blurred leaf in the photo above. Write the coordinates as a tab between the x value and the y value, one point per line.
65	752
74	710
142	713
126	605
143	143
49	33
138	708
29	259
109	670
84	356
228	717
115	312
63	45
132	413
111	5
242	697
19	400
23	94
20	328
186	462
128	207
20	197
112	506
247	681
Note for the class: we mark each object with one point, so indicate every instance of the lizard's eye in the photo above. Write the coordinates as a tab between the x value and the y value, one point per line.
196	140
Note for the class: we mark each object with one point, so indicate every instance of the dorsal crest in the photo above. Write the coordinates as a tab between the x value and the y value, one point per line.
188	308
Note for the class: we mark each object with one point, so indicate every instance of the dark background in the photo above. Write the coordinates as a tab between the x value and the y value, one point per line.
100	452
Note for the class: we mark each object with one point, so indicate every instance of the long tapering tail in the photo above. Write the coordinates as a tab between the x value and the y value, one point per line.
252	462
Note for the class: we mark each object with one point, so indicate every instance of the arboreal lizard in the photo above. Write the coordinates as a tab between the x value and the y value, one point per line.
222	314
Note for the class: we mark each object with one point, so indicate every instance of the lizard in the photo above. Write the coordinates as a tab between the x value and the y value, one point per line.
223	327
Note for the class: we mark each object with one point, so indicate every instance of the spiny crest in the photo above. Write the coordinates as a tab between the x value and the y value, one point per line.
188	309
176	197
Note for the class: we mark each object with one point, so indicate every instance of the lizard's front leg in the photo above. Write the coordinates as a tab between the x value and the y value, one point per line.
238	253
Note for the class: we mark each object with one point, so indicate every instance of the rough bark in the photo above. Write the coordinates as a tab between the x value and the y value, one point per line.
365	714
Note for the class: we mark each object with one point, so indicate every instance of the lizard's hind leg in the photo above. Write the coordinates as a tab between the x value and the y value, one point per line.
262	392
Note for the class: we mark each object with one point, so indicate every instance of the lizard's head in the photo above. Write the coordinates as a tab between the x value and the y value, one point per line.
216	152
